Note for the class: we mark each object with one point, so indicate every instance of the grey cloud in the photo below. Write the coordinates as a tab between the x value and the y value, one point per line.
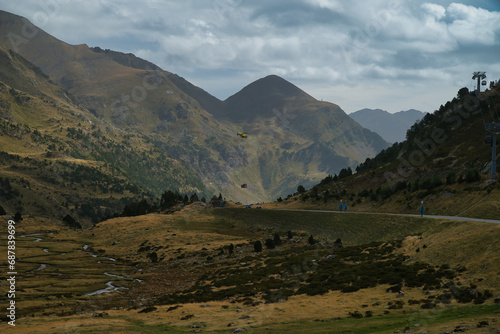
297	14
326	45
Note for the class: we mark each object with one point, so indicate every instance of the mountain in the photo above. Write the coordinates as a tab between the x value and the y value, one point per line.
134	95
260	98
391	127
156	131
292	135
45	138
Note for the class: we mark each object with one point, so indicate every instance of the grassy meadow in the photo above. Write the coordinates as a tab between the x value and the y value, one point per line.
178	273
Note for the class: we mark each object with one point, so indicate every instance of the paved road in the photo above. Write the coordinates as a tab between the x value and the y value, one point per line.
407	215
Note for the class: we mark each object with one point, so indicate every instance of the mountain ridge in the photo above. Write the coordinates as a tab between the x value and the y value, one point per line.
391	127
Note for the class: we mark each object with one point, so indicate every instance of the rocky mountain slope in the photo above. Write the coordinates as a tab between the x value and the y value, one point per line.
59	159
157	131
391	127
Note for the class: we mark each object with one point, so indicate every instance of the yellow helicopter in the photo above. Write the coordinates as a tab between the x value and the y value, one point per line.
242	135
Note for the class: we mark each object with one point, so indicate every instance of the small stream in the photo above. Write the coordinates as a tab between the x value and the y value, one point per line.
32	236
109	287
42	267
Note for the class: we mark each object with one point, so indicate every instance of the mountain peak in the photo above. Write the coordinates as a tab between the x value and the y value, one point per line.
271	85
261	96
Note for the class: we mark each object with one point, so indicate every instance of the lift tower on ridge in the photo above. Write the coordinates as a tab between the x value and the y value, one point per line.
479	76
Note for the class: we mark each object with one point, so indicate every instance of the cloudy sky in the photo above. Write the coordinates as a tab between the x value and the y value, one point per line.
388	54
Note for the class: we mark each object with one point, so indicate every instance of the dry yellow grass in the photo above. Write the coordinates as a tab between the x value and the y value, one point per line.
474	245
122	237
225	317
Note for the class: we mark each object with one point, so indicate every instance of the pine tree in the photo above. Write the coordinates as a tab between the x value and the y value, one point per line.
337	243
71	222
18	217
257	246
269	243
277	239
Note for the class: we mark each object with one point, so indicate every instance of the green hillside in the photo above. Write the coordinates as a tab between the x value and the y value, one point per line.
444	162
59	159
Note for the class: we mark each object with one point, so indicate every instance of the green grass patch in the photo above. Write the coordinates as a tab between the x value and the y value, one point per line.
352	228
427	320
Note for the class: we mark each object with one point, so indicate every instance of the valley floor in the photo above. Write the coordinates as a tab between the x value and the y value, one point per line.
167	273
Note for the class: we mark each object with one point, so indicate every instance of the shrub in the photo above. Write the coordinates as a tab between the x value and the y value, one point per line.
451	178
436	182
337	243
385	192
428	305
18	217
400	185
71	222
364	193
350	288
172	308
472	175
394	288
153	257
148	309
414	185
398	304
277	240
356	315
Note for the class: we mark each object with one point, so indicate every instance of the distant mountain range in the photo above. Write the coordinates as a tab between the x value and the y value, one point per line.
391	127
141	130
